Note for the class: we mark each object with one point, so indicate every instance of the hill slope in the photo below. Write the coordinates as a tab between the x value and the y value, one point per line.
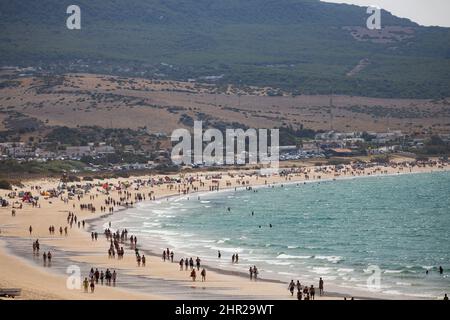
305	46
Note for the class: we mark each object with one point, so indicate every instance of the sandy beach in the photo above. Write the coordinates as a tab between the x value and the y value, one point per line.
20	268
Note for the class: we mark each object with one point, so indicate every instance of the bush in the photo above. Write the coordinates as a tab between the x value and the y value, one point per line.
336	162
4	184
73	179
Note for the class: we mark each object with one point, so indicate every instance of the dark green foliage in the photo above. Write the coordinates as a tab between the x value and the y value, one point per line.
34	167
5	184
296	45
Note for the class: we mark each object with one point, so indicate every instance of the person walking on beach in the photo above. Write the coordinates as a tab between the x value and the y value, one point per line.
197	261
181	264
30	229
108	277
186	263
306	292
171	256
96	275
44	256
92	286
291	287
445	297
138	259
85	285
299	286
250	271
255	272
102	277
164	255
143	260
441	270
193	275
320	287
114	277
299	295
219	255
312	292
232	258
236	258
203	273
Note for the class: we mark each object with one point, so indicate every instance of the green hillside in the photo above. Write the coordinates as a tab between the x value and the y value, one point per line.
304	46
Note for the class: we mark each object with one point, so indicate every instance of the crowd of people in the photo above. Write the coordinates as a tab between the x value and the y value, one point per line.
96	277
305	292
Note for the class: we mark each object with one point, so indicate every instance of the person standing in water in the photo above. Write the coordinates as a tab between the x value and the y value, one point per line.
203	273
219	255
250	270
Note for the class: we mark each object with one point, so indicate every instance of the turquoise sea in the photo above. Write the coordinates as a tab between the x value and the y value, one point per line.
330	229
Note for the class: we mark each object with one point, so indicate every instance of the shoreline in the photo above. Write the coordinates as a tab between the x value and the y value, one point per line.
350	292
220	276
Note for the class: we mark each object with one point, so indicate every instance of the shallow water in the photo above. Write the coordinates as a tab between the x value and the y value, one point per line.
336	230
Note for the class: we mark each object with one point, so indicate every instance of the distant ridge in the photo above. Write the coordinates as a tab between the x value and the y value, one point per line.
304	46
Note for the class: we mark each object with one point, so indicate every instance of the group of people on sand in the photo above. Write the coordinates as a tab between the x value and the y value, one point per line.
253	271
46	256
71	219
168	255
99	276
140	259
305	292
189	263
194	274
51	230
